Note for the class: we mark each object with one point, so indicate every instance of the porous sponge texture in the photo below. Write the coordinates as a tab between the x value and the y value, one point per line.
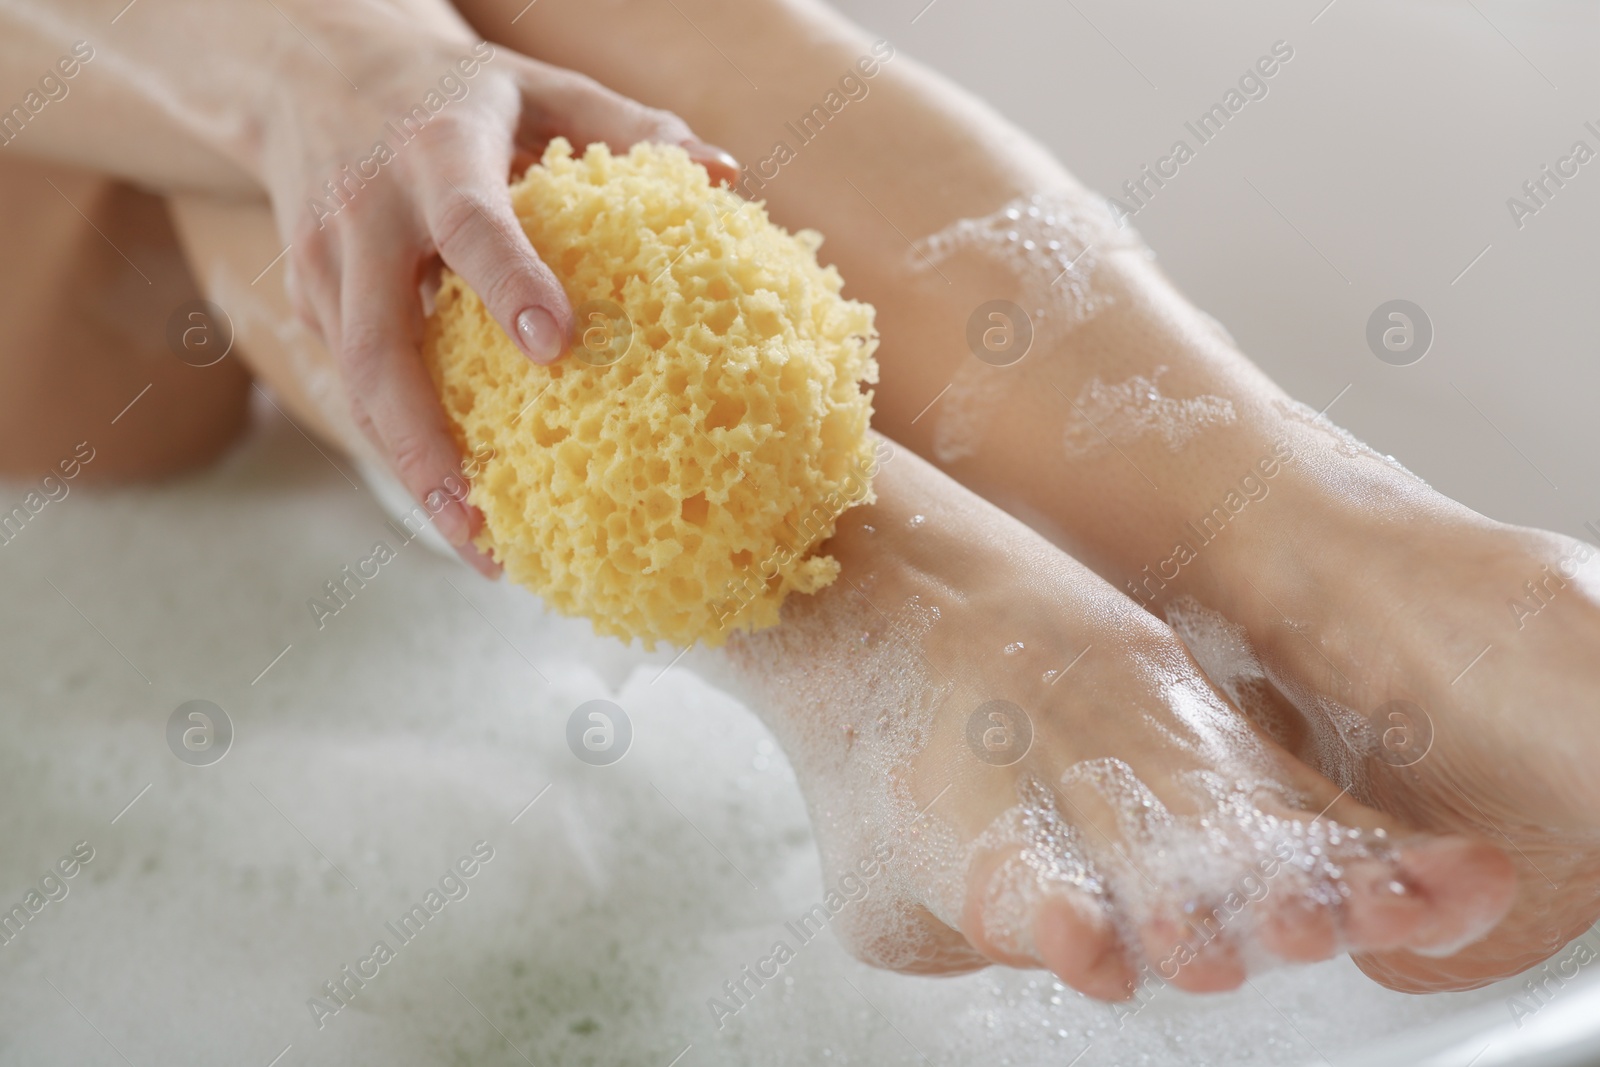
678	493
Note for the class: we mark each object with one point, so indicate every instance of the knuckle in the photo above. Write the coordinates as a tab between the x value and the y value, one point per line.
309	270
461	214
363	420
447	130
413	458
308	234
306	316
308	262
507	288
568	87
361	351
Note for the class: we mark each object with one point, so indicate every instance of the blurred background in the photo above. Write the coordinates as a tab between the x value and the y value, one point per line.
1376	168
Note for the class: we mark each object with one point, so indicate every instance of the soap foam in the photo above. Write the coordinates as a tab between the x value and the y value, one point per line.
855	702
1049	244
1050	854
1048	247
1225	654
968	409
1341	738
209	905
1123	412
880	702
1210	865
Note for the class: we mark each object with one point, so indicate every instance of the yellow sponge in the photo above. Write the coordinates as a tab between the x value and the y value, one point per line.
670	478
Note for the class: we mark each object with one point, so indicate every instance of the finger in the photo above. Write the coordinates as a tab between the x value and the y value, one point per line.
300	303
311	284
382	368
721	167
584	111
479	561
469	553
468	213
521	159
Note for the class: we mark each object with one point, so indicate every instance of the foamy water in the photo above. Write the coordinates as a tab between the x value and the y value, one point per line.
371	756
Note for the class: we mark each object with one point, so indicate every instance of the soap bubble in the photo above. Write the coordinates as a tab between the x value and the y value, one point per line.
199	733
599	732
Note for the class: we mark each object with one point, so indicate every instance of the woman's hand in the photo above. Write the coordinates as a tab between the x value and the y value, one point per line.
390	147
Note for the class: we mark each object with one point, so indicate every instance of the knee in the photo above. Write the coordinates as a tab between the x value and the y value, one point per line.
85	362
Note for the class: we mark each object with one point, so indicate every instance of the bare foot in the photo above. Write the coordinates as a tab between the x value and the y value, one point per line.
1384	612
1007	761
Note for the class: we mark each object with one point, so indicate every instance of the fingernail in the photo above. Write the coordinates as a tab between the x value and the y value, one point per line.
540	337
449	518
710	154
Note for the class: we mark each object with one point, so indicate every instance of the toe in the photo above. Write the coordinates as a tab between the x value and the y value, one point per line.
1298	930
1193	950
1384	908
1424	892
1074	937
1468	885
1001	894
1014	918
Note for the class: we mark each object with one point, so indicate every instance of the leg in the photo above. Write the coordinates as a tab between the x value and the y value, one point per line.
1131	398
1127	823
231	244
85	333
1036	860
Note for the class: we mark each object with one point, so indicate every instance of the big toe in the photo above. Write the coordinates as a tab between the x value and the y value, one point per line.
1428	893
1468	884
